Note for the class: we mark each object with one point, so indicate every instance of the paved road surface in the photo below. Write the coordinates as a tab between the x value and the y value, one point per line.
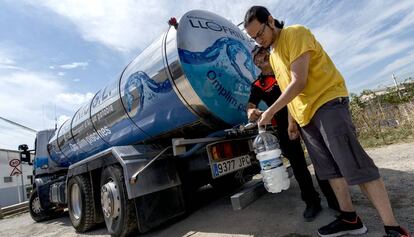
271	215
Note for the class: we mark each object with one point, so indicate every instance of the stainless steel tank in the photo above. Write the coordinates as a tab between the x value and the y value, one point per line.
190	81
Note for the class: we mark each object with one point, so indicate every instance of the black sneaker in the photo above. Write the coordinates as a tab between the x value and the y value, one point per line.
341	227
311	211
393	233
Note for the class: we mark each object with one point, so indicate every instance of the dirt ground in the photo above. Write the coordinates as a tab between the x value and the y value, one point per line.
270	215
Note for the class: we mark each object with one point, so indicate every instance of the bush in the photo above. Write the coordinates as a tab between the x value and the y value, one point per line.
383	119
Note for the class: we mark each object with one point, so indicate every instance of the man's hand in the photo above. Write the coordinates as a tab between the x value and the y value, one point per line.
253	114
266	118
293	131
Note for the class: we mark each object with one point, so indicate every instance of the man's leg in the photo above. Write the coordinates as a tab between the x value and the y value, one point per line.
292	149
328	193
327	167
294	152
341	190
301	172
377	194
335	125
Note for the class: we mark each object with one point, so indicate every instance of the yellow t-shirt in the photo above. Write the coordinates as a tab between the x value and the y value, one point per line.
324	80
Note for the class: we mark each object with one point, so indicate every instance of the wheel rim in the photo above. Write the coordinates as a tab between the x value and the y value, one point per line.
36	205
75	201
110	200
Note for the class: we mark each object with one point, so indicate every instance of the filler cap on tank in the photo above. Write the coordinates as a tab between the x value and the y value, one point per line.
173	22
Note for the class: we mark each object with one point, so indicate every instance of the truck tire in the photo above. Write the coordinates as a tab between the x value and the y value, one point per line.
119	212
37	213
80	203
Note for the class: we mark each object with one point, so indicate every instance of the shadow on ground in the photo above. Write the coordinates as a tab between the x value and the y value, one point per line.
281	214
271	215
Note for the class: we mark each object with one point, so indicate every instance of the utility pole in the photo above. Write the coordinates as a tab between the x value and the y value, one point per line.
399	95
396	85
22	179
18	189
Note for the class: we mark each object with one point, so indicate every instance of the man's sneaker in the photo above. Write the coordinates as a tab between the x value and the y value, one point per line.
311	211
341	227
393	233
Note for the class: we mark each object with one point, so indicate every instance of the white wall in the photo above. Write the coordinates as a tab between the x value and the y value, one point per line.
10	192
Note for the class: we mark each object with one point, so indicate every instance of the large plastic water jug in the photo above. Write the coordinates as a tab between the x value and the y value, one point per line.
267	149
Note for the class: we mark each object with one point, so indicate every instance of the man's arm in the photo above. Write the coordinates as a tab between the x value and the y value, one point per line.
290	118
299	74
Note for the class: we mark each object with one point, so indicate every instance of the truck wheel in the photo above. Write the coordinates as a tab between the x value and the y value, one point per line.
118	210
80	203
37	213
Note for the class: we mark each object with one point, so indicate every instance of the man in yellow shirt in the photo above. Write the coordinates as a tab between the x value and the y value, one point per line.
317	99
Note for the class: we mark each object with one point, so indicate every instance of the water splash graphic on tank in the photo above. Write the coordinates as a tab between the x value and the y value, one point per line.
147	89
232	48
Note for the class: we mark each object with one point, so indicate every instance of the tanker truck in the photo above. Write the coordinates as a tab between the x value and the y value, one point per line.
133	155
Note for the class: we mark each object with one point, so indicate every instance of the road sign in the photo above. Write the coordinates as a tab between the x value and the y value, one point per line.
16	171
15	163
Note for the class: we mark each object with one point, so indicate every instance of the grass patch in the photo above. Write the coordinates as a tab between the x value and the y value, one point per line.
387	135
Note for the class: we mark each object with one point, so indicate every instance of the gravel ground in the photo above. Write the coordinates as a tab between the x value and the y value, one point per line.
271	215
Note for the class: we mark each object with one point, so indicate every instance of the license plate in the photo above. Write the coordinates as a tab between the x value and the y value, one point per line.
220	168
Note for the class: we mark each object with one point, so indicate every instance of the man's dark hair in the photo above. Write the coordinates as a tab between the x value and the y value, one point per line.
261	14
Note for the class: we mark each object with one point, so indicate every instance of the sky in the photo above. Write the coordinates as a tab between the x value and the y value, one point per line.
55	55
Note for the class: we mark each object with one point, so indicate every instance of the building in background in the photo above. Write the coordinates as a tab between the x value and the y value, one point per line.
16	188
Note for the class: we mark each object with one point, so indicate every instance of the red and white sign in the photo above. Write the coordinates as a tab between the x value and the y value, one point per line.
15	163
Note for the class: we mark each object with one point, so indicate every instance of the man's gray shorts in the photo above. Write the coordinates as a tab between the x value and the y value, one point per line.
333	146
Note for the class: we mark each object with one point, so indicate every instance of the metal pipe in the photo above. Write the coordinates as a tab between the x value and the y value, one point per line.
134	177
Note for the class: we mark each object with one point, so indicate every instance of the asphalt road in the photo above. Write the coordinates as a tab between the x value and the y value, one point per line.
271	215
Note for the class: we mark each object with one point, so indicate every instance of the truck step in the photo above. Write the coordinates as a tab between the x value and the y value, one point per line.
251	191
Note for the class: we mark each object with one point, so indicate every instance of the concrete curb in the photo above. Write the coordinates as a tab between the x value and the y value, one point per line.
13	209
